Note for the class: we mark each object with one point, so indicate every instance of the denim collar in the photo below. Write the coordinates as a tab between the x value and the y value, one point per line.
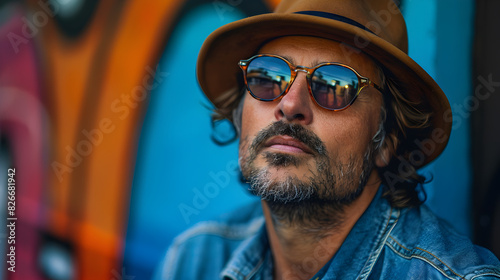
354	259
250	256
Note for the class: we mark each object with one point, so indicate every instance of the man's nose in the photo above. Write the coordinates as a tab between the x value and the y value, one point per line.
296	105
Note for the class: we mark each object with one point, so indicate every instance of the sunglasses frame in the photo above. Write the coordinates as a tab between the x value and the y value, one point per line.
362	81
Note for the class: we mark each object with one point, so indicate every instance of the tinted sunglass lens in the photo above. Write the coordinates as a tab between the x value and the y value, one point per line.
334	86
267	77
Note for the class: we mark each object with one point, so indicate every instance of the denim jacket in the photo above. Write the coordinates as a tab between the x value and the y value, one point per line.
385	243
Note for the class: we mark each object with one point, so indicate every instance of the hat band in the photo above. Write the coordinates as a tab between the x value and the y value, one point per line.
335	17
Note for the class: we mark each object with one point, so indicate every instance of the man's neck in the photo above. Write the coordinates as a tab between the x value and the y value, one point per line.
298	254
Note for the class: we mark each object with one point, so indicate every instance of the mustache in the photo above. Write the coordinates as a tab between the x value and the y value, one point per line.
297	131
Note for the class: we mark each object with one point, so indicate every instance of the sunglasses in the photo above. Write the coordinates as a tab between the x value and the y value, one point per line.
333	86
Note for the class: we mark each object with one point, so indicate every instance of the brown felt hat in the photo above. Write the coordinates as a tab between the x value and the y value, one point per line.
374	26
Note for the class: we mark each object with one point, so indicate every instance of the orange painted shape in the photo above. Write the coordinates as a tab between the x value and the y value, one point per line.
66	68
135	50
272	4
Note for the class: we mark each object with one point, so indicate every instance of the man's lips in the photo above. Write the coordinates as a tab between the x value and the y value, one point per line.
288	144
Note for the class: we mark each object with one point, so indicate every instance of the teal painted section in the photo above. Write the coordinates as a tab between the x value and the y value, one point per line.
421	20
454	71
440	40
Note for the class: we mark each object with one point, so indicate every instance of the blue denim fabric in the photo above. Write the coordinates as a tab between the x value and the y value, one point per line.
385	243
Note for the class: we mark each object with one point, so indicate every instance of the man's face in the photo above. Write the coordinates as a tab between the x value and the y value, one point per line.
291	149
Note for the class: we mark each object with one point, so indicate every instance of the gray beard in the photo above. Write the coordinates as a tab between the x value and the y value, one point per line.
314	205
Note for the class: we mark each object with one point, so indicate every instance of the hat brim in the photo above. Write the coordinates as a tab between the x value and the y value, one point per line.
217	65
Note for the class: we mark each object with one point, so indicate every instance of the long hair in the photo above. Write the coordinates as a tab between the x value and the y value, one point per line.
405	120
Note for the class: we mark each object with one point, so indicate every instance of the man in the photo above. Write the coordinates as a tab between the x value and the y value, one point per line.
332	115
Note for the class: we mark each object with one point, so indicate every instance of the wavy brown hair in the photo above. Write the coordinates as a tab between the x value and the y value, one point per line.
405	120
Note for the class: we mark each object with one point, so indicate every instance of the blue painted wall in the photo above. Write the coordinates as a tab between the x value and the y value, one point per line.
454	74
440	40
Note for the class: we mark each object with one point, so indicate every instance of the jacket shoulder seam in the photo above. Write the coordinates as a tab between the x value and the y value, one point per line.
423	258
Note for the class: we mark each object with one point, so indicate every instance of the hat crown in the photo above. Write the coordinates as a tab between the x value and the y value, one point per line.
382	17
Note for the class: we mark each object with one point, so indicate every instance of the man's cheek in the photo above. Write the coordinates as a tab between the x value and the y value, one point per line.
244	144
243	149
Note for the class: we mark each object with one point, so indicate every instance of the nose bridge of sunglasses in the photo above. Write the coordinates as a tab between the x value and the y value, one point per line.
296	76
300	68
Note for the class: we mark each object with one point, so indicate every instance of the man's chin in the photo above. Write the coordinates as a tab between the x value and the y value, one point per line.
279	186
284	175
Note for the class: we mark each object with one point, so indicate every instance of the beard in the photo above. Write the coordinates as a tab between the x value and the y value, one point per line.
315	202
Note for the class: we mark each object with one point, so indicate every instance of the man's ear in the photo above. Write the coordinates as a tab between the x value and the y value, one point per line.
388	149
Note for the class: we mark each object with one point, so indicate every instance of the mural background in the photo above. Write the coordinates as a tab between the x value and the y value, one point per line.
110	135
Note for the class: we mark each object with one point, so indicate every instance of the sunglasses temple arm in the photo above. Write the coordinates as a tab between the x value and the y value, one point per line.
375	86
